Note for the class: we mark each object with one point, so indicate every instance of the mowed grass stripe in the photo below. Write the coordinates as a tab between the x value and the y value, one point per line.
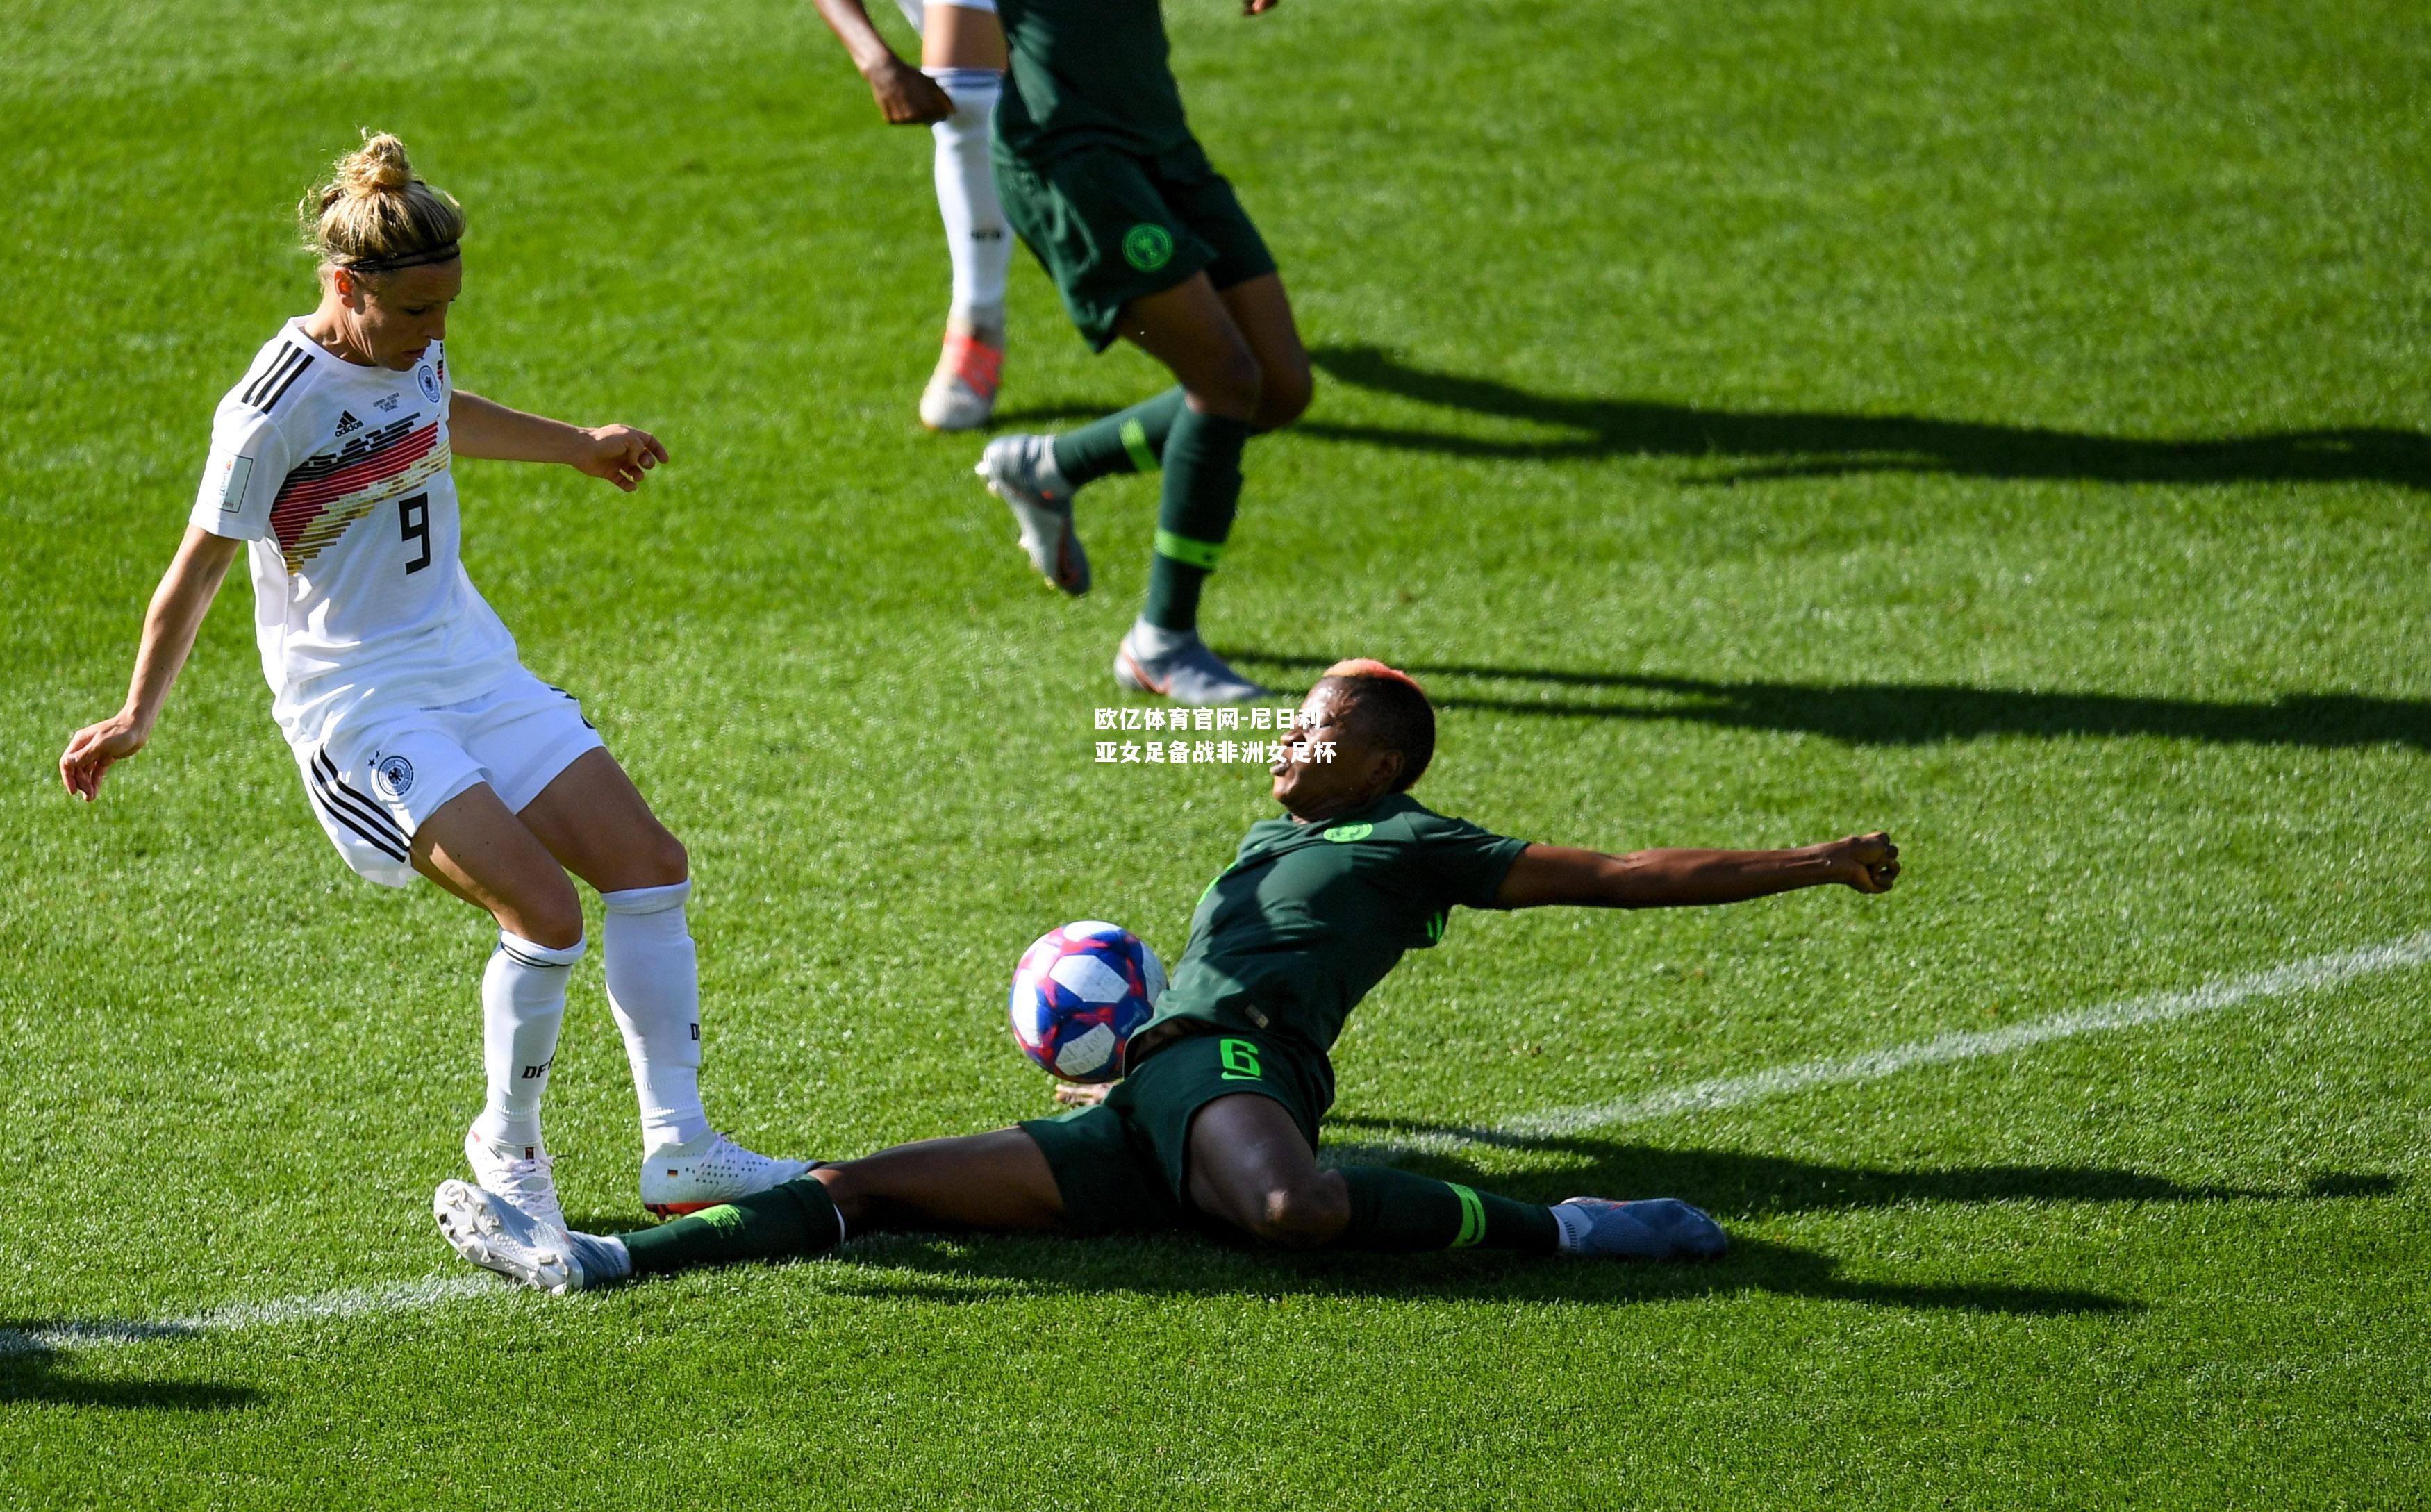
1871	1065
1723	1092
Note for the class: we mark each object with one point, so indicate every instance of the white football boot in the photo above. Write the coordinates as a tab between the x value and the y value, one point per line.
1020	470
711	1170
519	1173
962	392
1190	673
497	1235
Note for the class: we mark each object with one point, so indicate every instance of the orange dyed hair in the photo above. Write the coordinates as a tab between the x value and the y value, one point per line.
1367	666
1392	707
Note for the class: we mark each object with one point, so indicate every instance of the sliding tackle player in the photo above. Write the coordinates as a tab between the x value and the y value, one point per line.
1216	1121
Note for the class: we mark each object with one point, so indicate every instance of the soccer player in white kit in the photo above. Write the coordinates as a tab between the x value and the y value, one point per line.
424	744
954	91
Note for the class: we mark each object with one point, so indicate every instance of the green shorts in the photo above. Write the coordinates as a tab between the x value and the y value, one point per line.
1111	227
1124	1165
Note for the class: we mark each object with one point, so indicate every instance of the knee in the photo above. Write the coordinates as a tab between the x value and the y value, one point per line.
554	917
662	859
1231	384
1301	1218
1282	395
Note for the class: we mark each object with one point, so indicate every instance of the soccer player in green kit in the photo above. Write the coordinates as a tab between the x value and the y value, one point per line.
1214	1123
1099	175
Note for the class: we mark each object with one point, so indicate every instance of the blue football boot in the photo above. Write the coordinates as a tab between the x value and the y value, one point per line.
1654	1227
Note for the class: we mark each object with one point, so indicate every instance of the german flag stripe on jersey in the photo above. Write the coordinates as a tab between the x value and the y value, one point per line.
323	497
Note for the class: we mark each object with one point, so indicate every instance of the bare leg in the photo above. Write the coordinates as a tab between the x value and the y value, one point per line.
598	826
1262	311
1188	330
1250	1167
481	853
998	1181
959	37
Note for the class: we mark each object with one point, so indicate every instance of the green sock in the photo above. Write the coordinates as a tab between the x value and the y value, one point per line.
1202	488
1396	1213
796	1219
1127	441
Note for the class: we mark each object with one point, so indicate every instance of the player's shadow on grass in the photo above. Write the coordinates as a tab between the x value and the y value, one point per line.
29	1371
1736	1185
946	1270
1810	444
1893	713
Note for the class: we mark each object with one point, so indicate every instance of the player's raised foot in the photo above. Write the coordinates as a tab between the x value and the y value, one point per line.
962	392
519	1173
1183	669
497	1235
1020	470
1655	1228
711	1170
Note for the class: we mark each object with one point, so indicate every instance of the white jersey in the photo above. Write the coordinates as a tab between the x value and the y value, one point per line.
337	472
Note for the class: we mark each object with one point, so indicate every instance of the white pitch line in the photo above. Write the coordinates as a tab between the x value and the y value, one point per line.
236	1318
1869	1065
1720	1092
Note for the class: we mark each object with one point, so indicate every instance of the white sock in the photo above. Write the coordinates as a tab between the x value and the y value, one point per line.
977	237
523	1003
1572	1224
603	1258
1155	643
654	991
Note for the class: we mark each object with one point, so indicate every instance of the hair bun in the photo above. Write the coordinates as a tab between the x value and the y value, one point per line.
372	210
379	166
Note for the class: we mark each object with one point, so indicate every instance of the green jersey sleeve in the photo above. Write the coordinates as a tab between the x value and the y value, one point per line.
1467	863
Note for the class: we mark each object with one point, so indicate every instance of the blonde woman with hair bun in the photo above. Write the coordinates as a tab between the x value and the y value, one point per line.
425	747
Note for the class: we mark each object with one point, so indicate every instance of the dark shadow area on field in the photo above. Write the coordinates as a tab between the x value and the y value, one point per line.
1734	1185
1164	1266
1737	1184
1890	714
1816	444
2339	1183
29	1371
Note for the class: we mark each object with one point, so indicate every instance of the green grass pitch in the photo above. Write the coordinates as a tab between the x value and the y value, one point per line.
2001	421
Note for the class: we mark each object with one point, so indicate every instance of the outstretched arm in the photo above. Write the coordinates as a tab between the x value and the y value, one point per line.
905	96
176	613
1670	878
481	428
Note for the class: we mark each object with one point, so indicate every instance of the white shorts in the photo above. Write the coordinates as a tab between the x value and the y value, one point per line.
380	772
912	9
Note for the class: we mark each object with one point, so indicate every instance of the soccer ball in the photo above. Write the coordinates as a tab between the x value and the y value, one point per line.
1080	992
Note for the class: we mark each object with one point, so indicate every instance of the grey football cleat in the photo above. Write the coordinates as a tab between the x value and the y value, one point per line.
1190	673
1020	470
497	1235
1654	1227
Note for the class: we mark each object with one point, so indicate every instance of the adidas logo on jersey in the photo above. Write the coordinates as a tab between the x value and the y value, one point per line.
347	424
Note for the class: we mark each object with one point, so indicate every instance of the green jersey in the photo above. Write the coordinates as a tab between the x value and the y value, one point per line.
1087	74
1310	917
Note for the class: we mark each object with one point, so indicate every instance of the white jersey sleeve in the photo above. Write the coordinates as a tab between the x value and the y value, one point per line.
249	460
